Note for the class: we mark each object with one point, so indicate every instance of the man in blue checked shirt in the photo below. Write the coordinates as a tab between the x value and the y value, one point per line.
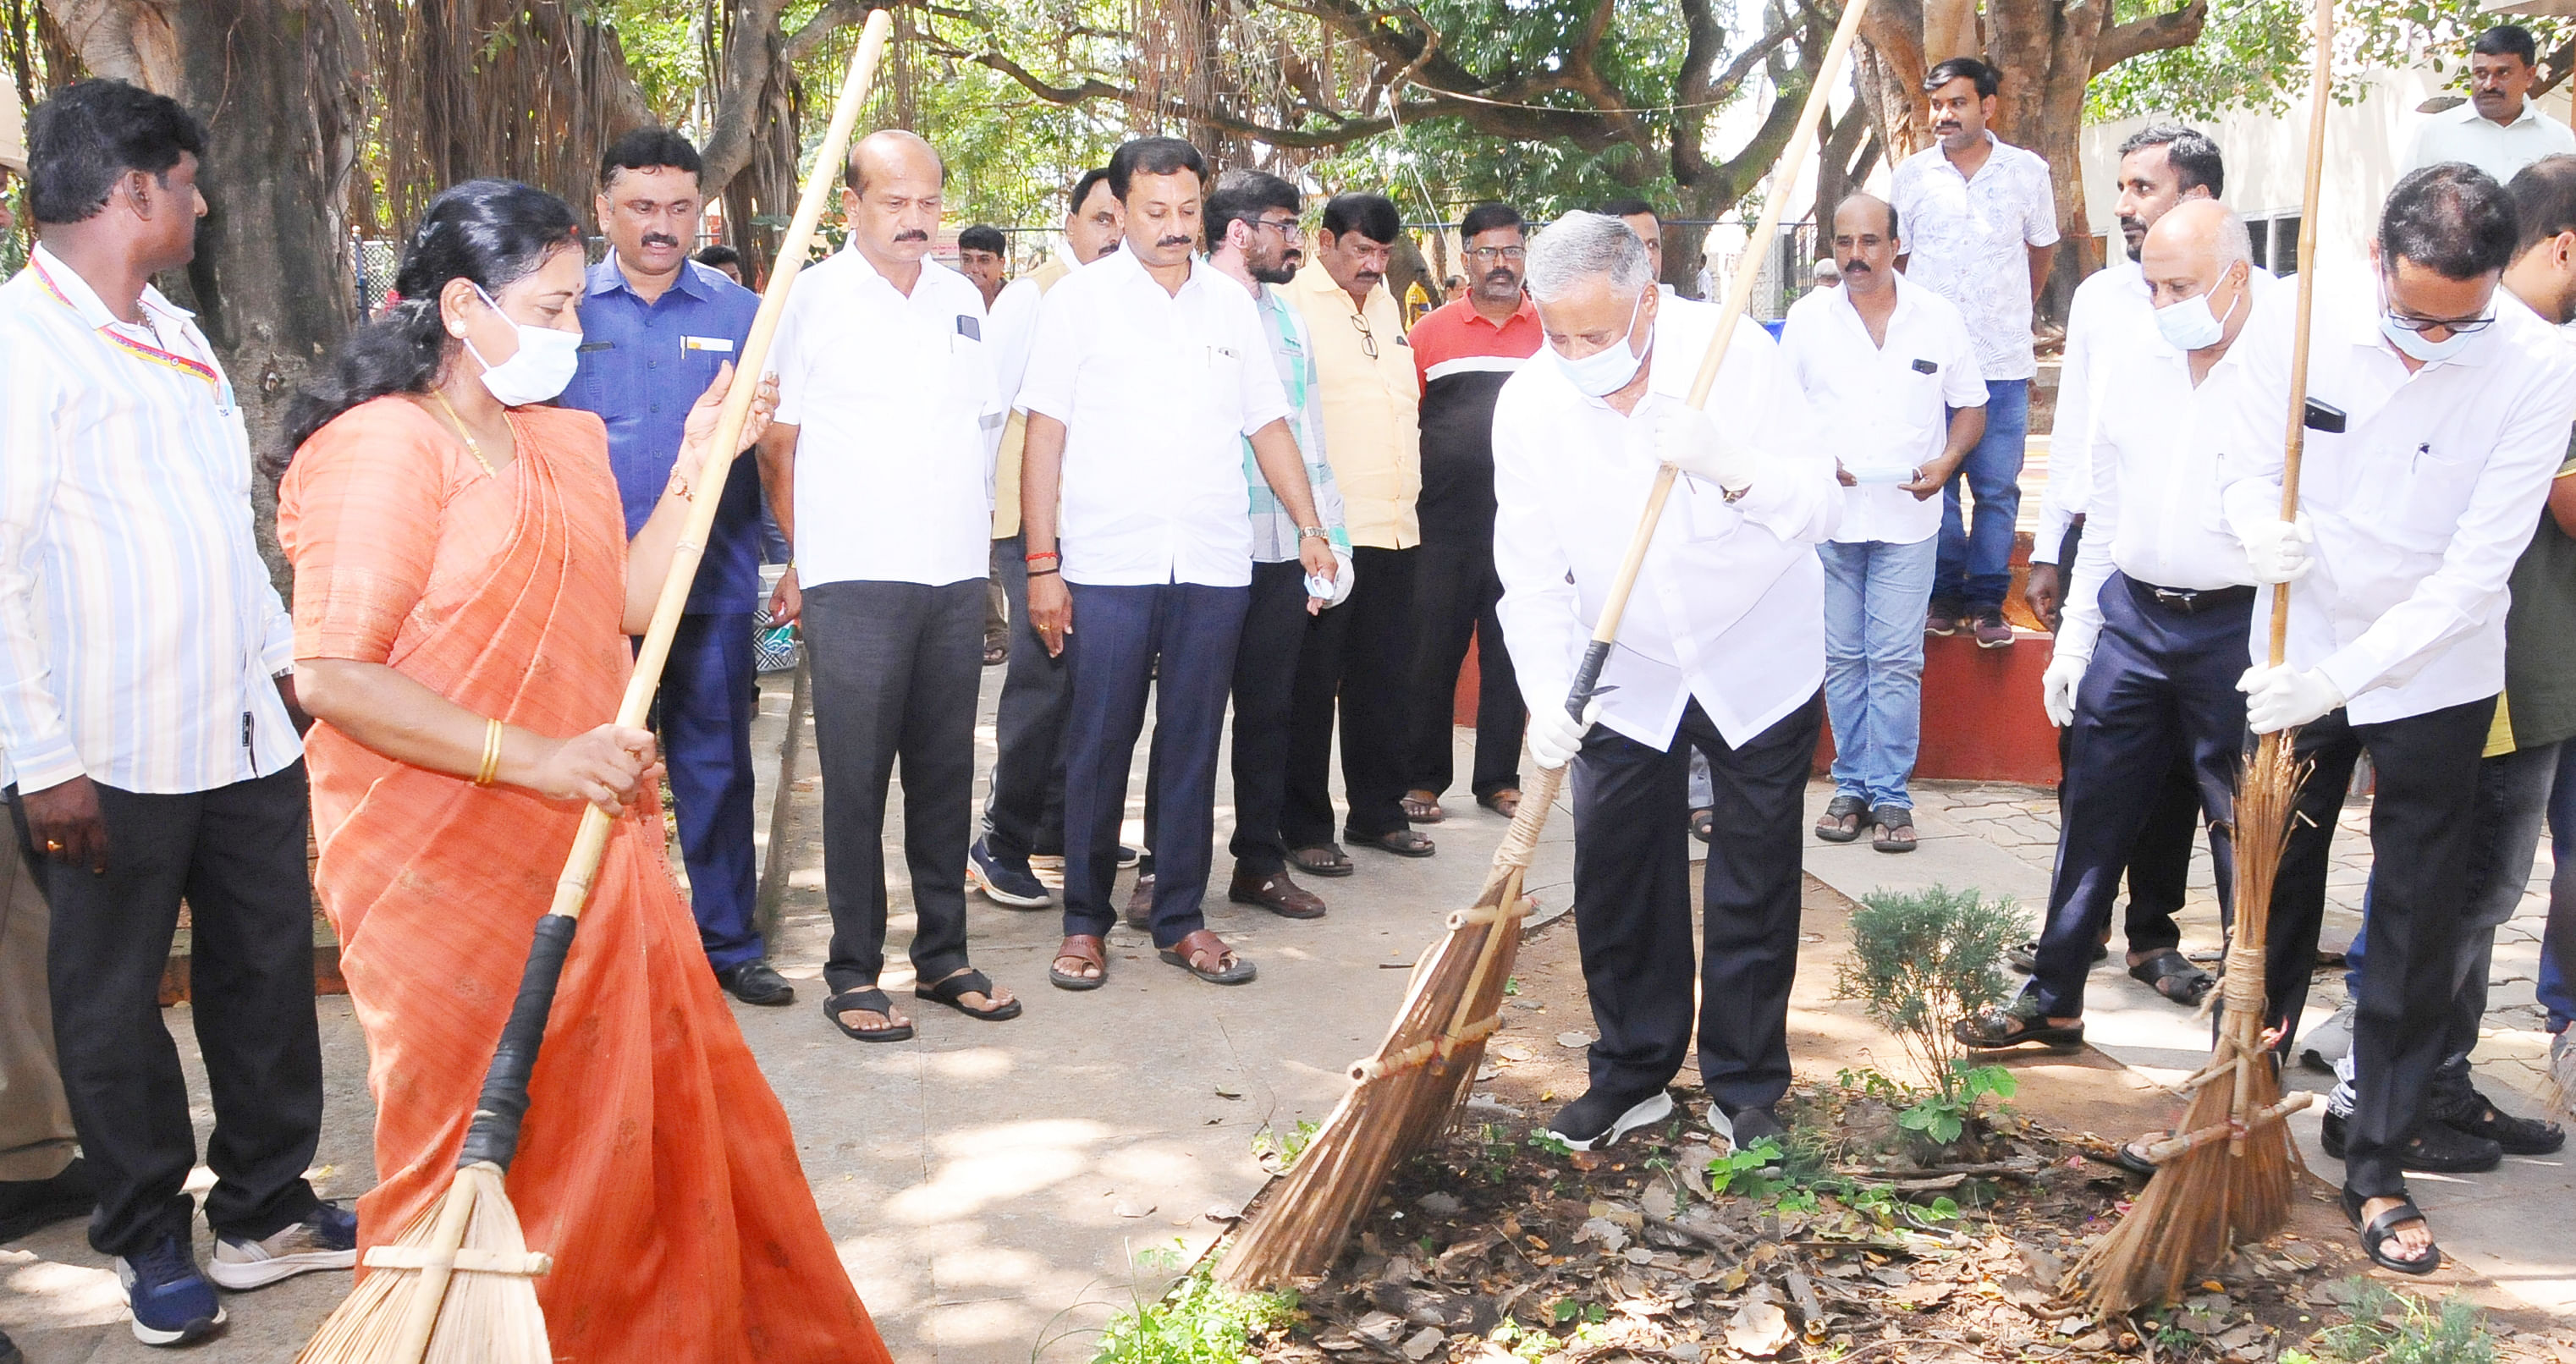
656	326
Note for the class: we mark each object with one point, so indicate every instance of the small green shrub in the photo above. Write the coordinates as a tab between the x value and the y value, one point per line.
1920	962
1196	1323
2395	1328
1282	1150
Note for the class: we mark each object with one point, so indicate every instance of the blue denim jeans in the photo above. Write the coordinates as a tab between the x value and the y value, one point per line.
1876	594
1976	555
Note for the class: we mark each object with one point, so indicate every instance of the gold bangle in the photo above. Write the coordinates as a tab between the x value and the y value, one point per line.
491	754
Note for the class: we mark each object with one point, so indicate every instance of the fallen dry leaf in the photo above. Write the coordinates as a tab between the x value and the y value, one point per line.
1758	1329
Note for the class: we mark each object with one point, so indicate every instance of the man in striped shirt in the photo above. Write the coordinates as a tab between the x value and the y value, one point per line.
148	722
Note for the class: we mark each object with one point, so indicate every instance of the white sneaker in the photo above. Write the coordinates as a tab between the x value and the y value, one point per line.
326	1239
2328	1042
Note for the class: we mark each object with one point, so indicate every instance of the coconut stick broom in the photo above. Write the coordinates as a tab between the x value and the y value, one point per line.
458	1286
1405	1095
2223	1180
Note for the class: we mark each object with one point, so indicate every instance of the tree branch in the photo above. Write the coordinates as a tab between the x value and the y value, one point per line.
2155	33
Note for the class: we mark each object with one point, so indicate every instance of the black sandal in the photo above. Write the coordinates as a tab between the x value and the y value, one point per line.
2383	1229
2132	1155
2171	974
1895	829
868	1000
1703	825
1325	859
957	987
2008	1027
1401	842
1830	826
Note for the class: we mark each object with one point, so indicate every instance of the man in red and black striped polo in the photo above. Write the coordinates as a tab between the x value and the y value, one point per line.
1463	352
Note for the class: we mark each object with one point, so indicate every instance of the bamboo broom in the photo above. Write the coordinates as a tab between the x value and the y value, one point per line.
1405	1095
2223	1179
458	1286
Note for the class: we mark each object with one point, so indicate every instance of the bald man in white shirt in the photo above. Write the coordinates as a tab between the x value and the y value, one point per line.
1722	650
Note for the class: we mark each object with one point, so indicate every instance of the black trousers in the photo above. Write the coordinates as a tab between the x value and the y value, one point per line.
1024	803
237	854
1360	653
1455	592
1632	905
1265	683
2422	823
895	672
2159	694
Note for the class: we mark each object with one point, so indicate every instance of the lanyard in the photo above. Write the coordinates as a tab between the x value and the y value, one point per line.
148	354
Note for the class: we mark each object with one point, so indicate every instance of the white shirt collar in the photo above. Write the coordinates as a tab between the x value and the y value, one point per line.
2468	114
84	300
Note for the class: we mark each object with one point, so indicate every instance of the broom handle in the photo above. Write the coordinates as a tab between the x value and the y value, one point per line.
494	1134
1521	842
2320	84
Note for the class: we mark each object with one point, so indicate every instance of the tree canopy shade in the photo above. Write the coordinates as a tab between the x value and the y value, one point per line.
2254	54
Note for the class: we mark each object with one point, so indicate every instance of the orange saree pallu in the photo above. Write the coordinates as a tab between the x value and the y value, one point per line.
655	1165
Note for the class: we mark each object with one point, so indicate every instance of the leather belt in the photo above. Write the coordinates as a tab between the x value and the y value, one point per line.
2182	602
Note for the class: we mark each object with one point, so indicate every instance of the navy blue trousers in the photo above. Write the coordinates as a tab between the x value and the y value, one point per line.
708	698
2161	687
1118	633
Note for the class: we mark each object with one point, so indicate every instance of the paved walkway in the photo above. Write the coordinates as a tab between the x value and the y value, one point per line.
2003	838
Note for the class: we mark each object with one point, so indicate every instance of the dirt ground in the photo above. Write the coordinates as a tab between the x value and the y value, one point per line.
1494	1248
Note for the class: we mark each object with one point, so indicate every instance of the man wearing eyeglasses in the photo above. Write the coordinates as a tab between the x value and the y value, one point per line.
2436	413
1361	653
1463	352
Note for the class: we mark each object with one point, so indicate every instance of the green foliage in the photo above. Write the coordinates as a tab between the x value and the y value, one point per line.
1549	1143
1271	1145
2254	54
2397	1328
1942	1114
1923	960
1196	1323
1742	1171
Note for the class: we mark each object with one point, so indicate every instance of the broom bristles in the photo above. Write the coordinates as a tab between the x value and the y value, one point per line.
2204	1203
484	1318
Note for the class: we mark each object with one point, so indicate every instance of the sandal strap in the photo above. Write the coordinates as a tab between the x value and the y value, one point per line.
1203	944
1082	947
970	982
866	999
2386	1224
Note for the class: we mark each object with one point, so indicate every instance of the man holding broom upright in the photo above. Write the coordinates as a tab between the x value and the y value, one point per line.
2436	413
1722	650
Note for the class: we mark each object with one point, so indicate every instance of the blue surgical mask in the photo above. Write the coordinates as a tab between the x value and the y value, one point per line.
1607	370
2412	343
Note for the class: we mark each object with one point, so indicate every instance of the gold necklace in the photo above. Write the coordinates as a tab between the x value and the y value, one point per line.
472	446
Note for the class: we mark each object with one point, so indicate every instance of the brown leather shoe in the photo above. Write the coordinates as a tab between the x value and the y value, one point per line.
1275	893
1140	903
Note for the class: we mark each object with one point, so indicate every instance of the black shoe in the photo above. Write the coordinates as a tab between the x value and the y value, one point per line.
1753	1126
2436	1149
1944	616
1600	1118
757	982
2473	1114
27	1205
2024	956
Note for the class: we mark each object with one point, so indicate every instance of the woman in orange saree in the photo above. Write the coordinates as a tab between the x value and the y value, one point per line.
464	592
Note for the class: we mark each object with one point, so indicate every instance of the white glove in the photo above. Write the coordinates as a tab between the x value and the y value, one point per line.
2285	698
2057	688
2278	550
1555	737
1687	440
1344	576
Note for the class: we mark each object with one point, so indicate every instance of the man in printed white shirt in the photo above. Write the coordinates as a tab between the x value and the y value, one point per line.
1722	650
2437	412
148	719
879	471
1981	226
1887	367
1149	372
2161	165
2146	664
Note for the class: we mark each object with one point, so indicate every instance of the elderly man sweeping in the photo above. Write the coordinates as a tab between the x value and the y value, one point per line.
1722	651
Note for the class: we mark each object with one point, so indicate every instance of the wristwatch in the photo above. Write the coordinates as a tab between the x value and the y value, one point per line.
1313	533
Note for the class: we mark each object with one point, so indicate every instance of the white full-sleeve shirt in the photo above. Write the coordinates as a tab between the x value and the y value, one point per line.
1157	391
1729	604
2461	133
1882	409
139	632
2111	302
2154	512
895	404
2420	507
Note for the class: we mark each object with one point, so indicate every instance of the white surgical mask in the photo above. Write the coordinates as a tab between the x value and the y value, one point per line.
539	372
2192	324
1607	370
2412	343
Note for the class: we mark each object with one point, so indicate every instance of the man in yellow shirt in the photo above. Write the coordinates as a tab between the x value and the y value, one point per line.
1361	652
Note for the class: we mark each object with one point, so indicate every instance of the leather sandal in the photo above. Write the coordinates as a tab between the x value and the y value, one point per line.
871	1000
1401	842
1895	829
1087	949
1422	807
952	992
1506	802
2171	974
1324	859
1831	828
1205	955
2381	1230
1276	893
2013	1026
